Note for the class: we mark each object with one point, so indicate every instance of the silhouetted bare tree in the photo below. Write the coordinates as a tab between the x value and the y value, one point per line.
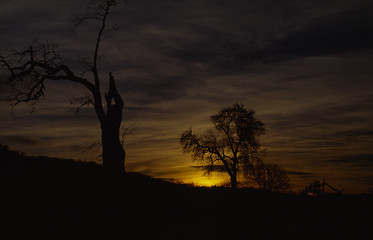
231	146
269	177
41	62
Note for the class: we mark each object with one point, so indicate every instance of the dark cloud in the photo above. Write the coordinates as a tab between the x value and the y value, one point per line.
367	179
25	21
216	44
336	33
4	88
16	139
352	111
155	167
292	172
157	90
358	132
358	160
218	33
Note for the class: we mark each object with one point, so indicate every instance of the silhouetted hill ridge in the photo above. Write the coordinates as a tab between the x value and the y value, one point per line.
47	197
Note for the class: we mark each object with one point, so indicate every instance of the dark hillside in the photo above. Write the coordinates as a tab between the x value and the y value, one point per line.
53	198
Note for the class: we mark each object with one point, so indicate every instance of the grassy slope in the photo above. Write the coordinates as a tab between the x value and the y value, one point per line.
53	198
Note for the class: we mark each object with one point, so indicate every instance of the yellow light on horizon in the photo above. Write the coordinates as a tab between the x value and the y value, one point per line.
207	181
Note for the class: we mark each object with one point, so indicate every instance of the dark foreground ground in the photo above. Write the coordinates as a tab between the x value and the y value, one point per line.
50	198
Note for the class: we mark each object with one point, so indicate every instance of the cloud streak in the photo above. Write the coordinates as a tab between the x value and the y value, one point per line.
358	160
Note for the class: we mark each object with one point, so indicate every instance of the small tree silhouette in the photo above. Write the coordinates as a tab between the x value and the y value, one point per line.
231	146
41	62
268	177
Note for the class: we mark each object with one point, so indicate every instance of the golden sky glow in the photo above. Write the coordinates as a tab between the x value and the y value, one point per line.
207	181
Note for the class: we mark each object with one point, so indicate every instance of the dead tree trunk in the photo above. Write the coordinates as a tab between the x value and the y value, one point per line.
113	153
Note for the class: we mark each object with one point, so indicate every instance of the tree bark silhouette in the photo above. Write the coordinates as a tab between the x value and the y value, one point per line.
113	154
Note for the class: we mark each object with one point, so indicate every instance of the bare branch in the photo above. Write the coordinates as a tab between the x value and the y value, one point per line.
125	131
98	40
113	28
100	10
29	69
97	144
81	102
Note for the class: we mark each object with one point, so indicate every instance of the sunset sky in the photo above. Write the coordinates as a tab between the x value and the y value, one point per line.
306	67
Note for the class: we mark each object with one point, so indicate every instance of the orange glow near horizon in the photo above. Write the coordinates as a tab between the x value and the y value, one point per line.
197	178
205	181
